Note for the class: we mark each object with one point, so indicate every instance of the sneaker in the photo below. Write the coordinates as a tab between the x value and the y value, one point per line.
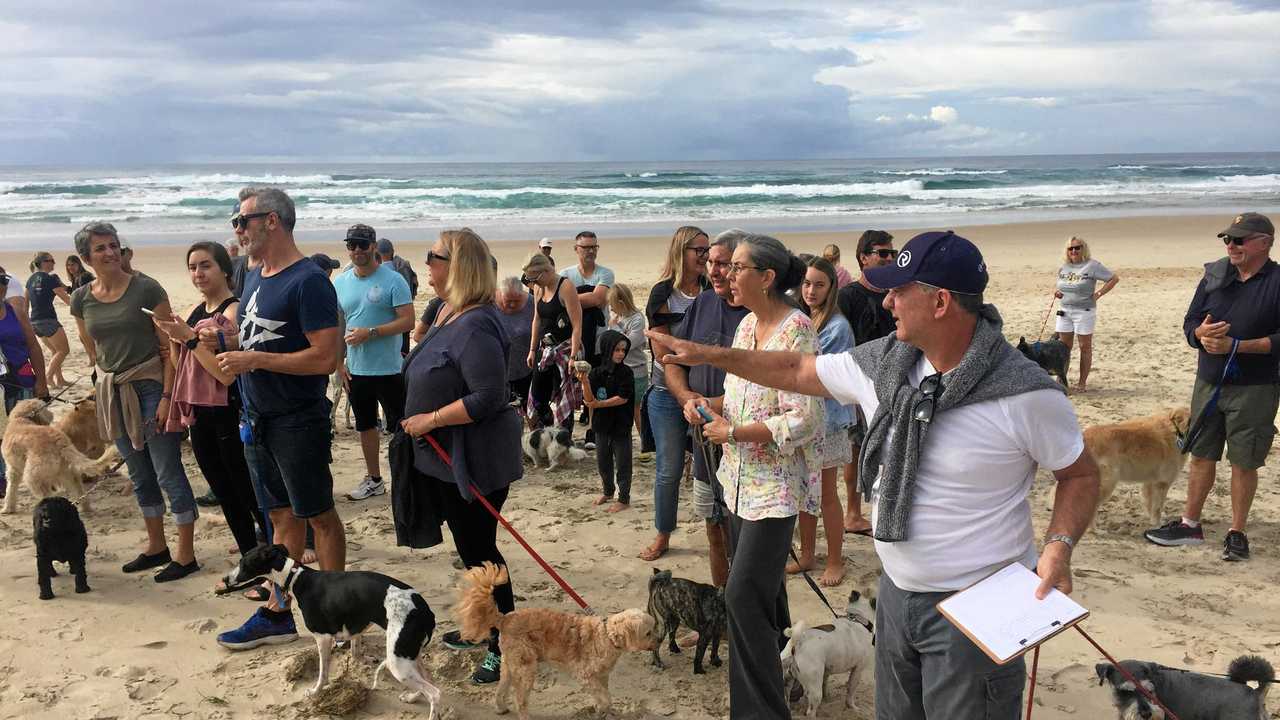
489	671
367	488
260	629
209	499
588	445
1235	547
453	640
1174	533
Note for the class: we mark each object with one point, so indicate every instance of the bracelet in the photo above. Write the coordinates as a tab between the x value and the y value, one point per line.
435	418
1059	537
166	396
733	431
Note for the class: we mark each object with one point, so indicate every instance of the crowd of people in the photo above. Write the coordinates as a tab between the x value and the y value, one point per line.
770	374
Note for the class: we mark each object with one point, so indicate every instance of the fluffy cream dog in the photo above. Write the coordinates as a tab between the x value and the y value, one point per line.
81	426
1142	450
586	646
43	457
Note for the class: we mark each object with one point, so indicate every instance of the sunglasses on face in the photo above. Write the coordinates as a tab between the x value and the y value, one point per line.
1075	248
358	244
1237	241
433	255
884	253
240	222
587	247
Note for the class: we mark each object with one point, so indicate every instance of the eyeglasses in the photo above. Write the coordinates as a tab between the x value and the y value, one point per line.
433	255
361	244
719	264
1075	248
240	222
884	253
1237	241
735	268
587	247
930	389
701	251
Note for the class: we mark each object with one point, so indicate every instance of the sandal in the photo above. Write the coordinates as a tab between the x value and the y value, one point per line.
257	593
146	562
174	571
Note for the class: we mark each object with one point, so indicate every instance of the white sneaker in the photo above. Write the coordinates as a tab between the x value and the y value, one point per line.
367	488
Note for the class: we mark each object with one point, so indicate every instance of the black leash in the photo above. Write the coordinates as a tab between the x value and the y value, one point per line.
812	585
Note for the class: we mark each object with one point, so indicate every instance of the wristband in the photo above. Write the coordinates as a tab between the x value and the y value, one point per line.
1059	537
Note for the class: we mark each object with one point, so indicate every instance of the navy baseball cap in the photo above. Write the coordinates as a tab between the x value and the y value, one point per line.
942	259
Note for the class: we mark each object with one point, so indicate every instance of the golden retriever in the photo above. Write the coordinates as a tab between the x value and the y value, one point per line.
584	645
81	426
1142	450
43	457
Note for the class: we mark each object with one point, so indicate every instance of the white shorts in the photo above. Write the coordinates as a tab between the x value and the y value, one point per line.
1072	320
836	449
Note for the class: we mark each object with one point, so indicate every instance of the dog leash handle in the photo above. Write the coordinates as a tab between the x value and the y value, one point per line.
444	456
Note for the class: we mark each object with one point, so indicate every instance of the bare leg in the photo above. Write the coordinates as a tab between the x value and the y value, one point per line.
290	532
331	540
808	538
661	543
1086	360
1244	485
1200	477
369	448
833	527
155	536
853	519
1067	339
186	544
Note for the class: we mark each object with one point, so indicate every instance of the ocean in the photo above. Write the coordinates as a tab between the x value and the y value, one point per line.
151	204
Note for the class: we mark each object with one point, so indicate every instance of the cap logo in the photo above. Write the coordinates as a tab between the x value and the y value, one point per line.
1239	219
904	258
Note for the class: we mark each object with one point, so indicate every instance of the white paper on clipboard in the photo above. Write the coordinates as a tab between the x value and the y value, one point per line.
1003	617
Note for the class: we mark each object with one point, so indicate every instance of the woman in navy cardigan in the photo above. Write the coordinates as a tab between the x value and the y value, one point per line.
456	383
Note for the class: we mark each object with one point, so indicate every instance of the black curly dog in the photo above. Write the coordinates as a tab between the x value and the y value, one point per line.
1053	355
59	536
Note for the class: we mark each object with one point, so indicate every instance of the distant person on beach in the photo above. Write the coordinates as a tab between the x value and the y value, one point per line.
233	248
832	255
42	287
984	418
516	305
592	282
862	304
378	309
205	400
134	392
627	319
387	254
288	347
126	256
1234	321
682	277
609	393
712	319
555	340
544	247
818	291
769	472
1077	289
457	395
76	274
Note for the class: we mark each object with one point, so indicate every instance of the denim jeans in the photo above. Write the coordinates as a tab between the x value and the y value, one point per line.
670	432
12	396
289	460
927	668
158	465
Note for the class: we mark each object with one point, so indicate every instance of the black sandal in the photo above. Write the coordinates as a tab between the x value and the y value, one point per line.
146	562
174	571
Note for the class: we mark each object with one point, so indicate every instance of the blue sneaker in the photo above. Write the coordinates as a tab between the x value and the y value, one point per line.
259	629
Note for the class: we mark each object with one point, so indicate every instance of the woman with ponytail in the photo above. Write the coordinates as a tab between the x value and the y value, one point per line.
769	472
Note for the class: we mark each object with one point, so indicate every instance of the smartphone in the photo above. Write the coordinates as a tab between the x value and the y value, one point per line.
706	414
149	312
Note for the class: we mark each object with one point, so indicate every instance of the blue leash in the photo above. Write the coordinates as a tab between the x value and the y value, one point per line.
1193	432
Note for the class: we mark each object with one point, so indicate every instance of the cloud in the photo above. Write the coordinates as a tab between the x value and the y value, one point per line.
1040	102
943	114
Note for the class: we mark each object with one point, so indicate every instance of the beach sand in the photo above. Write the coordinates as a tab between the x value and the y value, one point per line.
135	649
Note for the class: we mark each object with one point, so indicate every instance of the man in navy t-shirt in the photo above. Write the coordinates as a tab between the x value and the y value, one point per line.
288	347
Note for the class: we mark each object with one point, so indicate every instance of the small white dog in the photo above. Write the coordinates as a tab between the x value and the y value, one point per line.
844	646
550	444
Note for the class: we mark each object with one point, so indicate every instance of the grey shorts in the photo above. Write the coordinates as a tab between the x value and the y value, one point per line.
1243	421
46	328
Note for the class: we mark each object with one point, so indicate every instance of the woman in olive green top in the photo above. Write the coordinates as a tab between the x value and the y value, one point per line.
134	385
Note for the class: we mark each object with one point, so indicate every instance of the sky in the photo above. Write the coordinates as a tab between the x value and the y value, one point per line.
103	82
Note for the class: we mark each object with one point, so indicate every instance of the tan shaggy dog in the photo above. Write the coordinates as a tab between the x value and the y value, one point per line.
1142	450
584	645
81	426
42	457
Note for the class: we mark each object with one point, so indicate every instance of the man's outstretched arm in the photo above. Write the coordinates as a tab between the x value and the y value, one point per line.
790	371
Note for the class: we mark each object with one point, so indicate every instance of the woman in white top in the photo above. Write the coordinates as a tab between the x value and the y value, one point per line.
1078	291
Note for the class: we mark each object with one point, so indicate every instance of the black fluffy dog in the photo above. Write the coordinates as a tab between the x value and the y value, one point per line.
60	536
701	607
1053	355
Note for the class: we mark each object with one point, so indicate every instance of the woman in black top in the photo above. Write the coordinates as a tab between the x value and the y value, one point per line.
456	394
77	275
214	427
558	316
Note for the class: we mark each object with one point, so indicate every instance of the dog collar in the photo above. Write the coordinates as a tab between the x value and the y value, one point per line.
864	622
291	572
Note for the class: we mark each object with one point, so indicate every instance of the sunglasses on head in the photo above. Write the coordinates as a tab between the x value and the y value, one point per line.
358	243
433	255
240	222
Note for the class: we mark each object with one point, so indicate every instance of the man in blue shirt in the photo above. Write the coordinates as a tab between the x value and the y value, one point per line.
379	308
288	347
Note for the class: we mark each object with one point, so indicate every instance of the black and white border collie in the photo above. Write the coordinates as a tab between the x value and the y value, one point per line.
551	444
337	605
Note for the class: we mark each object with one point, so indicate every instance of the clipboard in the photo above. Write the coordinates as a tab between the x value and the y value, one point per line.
1001	615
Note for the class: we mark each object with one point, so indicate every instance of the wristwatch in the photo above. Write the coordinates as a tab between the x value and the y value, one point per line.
192	343
733	429
1059	537
373	331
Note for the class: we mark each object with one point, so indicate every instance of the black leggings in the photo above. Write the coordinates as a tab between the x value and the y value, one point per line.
475	535
215	441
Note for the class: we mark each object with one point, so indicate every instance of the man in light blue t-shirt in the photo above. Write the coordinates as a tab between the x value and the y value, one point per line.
379	308
593	282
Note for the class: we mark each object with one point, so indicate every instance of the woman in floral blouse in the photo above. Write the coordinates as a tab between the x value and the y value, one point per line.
769	472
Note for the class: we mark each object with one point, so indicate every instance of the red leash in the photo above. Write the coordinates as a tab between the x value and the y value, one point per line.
494	512
1035	660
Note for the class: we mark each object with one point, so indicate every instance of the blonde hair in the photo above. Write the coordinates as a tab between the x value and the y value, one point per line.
41	257
471	278
1085	255
673	266
621	301
539	262
831	253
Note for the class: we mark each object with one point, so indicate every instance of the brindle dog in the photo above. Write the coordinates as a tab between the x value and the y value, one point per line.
673	601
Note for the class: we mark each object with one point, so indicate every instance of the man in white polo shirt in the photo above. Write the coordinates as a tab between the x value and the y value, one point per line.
959	422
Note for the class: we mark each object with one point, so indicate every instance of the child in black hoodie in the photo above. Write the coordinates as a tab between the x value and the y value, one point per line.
609	392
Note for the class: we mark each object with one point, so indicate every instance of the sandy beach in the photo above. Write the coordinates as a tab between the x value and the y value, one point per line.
135	649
